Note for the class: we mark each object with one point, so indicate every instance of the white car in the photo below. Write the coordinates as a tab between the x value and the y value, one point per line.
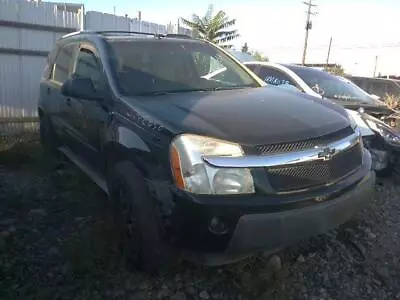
382	141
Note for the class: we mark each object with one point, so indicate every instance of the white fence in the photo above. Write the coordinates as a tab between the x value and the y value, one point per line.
28	31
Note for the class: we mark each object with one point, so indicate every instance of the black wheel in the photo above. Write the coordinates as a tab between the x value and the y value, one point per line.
48	137
141	238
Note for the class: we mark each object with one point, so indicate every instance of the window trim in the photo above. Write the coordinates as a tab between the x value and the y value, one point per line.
60	47
89	47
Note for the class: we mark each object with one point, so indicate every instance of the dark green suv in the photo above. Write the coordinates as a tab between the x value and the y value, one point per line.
199	157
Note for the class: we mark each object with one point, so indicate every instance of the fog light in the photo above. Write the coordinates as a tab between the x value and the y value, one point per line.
217	227
233	181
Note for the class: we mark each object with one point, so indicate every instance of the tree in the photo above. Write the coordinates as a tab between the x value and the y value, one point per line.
335	70
259	56
213	28
245	48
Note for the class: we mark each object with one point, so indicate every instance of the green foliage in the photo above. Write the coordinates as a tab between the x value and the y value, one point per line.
259	56
336	70
213	28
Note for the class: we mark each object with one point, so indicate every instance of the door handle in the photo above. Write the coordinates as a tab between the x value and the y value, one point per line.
48	91
68	101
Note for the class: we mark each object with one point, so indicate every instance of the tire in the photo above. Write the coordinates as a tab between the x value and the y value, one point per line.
48	137
141	238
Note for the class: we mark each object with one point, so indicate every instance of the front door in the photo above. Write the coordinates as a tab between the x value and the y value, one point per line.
90	116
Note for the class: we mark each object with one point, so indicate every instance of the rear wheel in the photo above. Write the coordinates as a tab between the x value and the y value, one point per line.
141	240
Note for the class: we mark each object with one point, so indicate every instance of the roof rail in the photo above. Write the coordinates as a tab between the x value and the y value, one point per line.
175	35
116	32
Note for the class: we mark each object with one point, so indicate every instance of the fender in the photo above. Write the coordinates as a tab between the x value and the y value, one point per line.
364	128
125	144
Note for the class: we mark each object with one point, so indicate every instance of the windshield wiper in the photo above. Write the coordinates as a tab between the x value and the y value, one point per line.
167	92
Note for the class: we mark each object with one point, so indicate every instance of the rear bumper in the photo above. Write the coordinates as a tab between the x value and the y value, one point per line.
272	231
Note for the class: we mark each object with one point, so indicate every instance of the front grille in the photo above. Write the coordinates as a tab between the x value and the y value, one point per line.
306	144
297	177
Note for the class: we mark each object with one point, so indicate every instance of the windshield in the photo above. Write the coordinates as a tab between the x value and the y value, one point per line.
171	66
331	86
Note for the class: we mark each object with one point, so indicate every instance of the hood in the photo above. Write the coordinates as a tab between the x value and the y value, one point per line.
247	116
375	107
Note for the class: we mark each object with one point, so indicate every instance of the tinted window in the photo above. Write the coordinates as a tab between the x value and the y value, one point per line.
148	67
251	67
63	63
88	66
274	76
331	86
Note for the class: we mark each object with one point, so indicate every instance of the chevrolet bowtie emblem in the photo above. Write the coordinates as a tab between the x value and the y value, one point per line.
327	153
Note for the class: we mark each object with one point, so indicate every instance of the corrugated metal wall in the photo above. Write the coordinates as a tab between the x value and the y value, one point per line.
100	21
28	31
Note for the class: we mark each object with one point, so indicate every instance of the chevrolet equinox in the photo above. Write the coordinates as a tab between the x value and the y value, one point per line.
211	167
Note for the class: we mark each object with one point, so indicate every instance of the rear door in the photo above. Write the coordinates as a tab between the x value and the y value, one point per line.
60	72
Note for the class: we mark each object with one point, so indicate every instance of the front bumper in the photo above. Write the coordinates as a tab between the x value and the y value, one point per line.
272	231
217	230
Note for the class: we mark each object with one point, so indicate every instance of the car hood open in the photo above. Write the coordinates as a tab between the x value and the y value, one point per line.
246	116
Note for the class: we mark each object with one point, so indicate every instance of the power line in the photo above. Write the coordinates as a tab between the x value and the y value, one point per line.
310	5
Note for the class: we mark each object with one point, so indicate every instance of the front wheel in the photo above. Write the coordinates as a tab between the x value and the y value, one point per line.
141	237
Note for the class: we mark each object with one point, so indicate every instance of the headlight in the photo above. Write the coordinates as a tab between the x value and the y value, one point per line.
383	129
194	175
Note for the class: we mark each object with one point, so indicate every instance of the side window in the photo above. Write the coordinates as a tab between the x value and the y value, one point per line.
273	76
252	67
88	66
63	63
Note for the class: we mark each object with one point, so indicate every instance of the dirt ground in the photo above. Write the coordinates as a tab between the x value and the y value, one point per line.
56	242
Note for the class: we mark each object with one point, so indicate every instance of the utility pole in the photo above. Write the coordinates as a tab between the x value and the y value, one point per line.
310	5
376	64
329	52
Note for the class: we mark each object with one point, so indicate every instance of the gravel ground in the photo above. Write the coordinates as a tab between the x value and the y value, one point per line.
56	242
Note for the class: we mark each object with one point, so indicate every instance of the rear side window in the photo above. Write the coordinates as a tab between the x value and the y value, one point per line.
274	76
62	64
49	64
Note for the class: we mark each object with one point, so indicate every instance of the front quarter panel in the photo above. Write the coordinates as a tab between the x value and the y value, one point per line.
143	145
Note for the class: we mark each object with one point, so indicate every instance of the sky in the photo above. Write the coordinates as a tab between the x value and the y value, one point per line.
362	31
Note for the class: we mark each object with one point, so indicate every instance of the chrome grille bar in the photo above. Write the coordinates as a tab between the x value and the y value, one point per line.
285	159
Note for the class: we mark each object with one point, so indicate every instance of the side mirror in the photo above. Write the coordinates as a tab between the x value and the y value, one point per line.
80	88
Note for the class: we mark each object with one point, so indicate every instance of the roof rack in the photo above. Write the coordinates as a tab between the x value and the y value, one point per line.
119	32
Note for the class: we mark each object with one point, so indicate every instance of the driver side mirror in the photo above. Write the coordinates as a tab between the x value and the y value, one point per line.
80	88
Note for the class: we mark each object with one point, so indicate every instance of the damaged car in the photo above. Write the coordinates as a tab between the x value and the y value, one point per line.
369	113
211	169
